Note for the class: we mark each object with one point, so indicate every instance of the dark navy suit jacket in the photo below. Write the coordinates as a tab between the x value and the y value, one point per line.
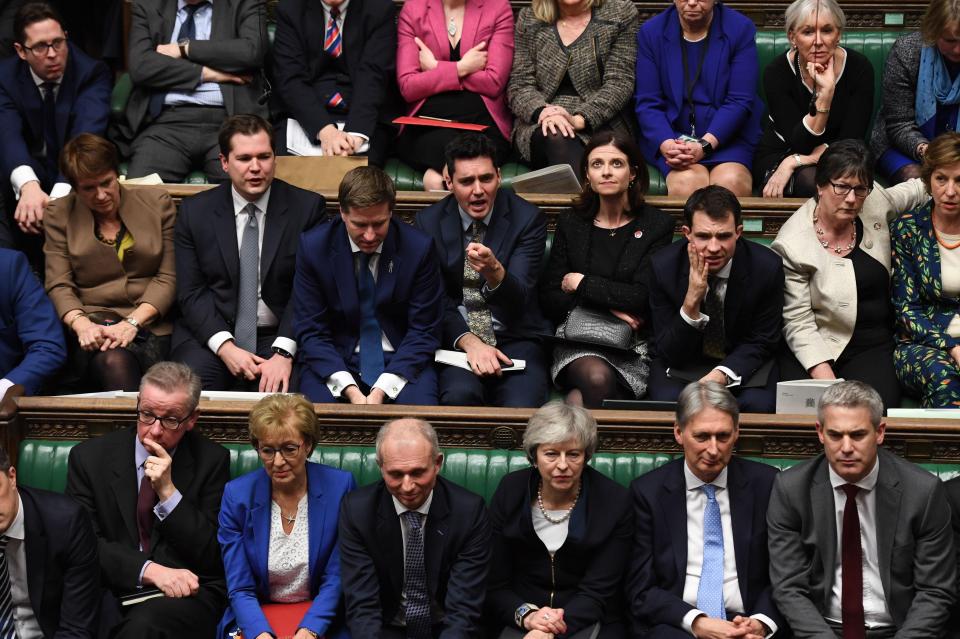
32	348
326	304
244	537
656	579
83	106
517	235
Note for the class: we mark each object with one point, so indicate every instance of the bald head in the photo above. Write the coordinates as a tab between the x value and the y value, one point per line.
409	457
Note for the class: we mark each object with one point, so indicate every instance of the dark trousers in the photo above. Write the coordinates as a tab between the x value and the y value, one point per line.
518	389
181	139
165	617
213	373
555	149
761	399
421	391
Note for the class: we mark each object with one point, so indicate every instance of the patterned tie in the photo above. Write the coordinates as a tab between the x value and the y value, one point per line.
371	342
188	31
333	45
7	626
713	334
479	320
245	328
50	137
710	593
417	613
146	500
851	568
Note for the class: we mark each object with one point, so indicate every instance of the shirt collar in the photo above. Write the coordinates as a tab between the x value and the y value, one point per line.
356	249
239	202
40	81
16	529
724	273
342	7
182	3
423	509
466	221
694	482
869	482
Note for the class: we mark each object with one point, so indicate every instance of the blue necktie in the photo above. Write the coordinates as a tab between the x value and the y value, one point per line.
245	328
188	31
417	611
710	593
7	625
371	344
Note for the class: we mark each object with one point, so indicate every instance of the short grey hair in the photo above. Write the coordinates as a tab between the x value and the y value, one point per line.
556	422
699	396
800	10
419	426
174	377
852	394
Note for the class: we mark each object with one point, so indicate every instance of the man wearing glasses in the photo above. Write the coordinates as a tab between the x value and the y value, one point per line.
153	493
49	93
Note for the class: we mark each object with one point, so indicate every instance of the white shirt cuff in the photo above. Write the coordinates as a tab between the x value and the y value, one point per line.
390	384
460	337
688	618
164	508
734	378
366	141
59	190
20	176
768	622
215	342
339	381
5	385
812	132
286	344
143	570
698	324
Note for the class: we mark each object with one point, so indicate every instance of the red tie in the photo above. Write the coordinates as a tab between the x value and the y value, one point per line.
146	500
851	598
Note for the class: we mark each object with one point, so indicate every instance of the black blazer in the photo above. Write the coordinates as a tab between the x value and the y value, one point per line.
208	261
627	291
101	476
588	569
659	568
63	574
517	235
953	496
370	48
457	549
752	309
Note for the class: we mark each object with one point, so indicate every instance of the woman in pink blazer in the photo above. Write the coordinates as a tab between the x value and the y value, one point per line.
453	62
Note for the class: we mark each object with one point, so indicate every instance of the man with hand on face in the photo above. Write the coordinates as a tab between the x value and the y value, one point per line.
862	537
153	493
490	246
700	558
368	300
716	302
414	547
236	252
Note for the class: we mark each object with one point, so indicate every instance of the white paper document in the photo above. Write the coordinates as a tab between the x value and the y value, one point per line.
459	358
800	396
299	143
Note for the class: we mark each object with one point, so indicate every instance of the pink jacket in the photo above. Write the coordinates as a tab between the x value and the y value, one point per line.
484	20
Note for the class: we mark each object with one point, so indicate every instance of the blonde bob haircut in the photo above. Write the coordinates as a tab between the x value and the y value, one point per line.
557	422
547	10
277	413
939	16
942	151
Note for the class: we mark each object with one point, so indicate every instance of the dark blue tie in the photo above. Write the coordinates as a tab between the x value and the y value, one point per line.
371	344
417	611
7	625
50	137
188	31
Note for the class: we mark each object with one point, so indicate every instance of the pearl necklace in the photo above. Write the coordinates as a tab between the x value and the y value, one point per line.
543	510
825	244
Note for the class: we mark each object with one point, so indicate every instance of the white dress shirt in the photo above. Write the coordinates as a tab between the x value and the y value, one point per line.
206	93
723	277
265	317
25	173
424	510
875	612
696	504
24	618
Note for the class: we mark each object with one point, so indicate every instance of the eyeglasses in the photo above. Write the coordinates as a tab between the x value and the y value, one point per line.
169	422
843	189
287	451
42	48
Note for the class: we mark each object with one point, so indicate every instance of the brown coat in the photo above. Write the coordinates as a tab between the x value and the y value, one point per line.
82	272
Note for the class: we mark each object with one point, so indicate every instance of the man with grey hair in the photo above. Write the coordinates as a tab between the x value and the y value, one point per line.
700	557
862	537
153	492
414	547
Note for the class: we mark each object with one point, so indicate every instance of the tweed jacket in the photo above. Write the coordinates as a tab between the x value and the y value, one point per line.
82	272
896	123
820	293
601	66
923	313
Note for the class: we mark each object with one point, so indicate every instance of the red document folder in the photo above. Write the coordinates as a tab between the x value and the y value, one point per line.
285	618
443	124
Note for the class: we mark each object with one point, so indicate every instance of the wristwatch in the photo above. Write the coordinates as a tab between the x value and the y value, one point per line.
522	611
132	322
282	353
183	47
707	147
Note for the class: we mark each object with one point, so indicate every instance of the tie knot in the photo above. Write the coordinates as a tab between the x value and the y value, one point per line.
334	12
412	517
711	491
851	490
193	8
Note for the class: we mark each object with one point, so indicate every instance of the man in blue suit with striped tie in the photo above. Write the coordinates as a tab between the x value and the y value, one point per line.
700	553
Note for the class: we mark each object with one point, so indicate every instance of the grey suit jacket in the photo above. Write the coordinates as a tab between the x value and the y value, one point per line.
915	539
896	123
237	44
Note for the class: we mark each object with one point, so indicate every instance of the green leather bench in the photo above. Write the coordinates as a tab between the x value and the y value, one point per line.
43	464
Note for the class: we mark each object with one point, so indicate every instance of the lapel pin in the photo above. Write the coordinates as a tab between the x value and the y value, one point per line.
638	234
390	266
876	226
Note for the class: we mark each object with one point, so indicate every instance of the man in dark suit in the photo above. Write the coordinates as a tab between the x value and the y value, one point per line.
235	269
153	493
414	547
335	73
191	67
716	304
49	573
953	496
860	537
496	238
700	559
368	300
49	92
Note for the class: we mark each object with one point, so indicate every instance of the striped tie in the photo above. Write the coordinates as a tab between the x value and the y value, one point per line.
7	626
333	45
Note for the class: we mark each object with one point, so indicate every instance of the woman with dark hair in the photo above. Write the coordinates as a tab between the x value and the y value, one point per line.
109	269
926	282
597	263
838	321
